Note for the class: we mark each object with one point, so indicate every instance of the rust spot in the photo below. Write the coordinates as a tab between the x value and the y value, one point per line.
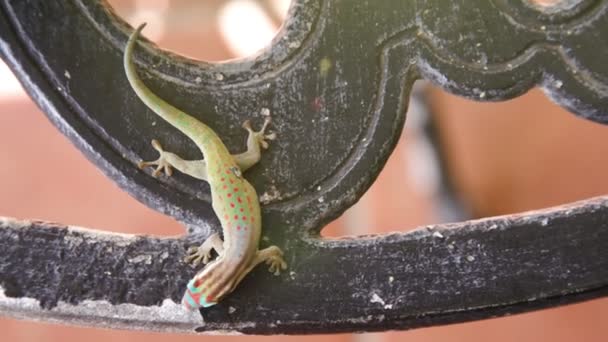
317	104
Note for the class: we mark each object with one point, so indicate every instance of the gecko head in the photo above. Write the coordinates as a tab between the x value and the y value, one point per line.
196	295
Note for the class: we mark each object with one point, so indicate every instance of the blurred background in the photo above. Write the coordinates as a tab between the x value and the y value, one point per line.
501	158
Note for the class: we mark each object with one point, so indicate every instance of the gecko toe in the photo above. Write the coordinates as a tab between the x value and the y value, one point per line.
247	125
157	146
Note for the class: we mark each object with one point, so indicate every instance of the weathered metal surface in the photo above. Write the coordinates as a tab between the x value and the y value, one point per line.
435	275
336	82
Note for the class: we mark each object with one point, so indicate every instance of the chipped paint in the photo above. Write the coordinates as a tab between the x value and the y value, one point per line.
167	317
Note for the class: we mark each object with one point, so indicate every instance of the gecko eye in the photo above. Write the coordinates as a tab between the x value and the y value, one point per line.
236	171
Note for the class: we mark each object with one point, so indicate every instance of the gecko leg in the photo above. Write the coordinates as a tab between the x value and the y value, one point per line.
203	252
272	255
198	168
255	142
167	160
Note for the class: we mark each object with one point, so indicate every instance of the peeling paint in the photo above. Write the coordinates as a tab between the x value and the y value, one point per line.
168	317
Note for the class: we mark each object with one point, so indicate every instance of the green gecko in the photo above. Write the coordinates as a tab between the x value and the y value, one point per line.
234	200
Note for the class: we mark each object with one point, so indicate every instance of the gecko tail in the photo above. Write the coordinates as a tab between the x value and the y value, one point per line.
191	127
194	297
152	101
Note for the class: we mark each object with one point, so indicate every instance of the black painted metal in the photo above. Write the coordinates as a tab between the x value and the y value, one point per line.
335	82
436	275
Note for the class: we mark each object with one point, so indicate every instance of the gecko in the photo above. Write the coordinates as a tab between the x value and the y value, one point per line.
234	200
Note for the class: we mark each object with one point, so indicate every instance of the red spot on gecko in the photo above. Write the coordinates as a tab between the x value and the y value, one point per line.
229	195
242	209
228	171
198	282
236	217
236	189
232	204
239	199
223	179
209	299
225	187
244	218
226	217
238	227
231	181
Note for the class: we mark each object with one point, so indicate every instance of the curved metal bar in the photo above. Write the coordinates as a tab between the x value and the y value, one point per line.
435	275
372	53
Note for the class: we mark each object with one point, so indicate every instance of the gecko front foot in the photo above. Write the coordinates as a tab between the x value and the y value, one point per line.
162	163
260	136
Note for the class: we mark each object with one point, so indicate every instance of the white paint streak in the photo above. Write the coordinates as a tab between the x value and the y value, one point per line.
377	299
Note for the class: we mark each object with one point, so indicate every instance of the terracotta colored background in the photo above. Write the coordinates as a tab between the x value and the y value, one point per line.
522	154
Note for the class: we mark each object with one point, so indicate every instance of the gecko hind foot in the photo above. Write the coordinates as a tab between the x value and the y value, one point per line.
261	135
162	164
276	264
273	256
197	254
